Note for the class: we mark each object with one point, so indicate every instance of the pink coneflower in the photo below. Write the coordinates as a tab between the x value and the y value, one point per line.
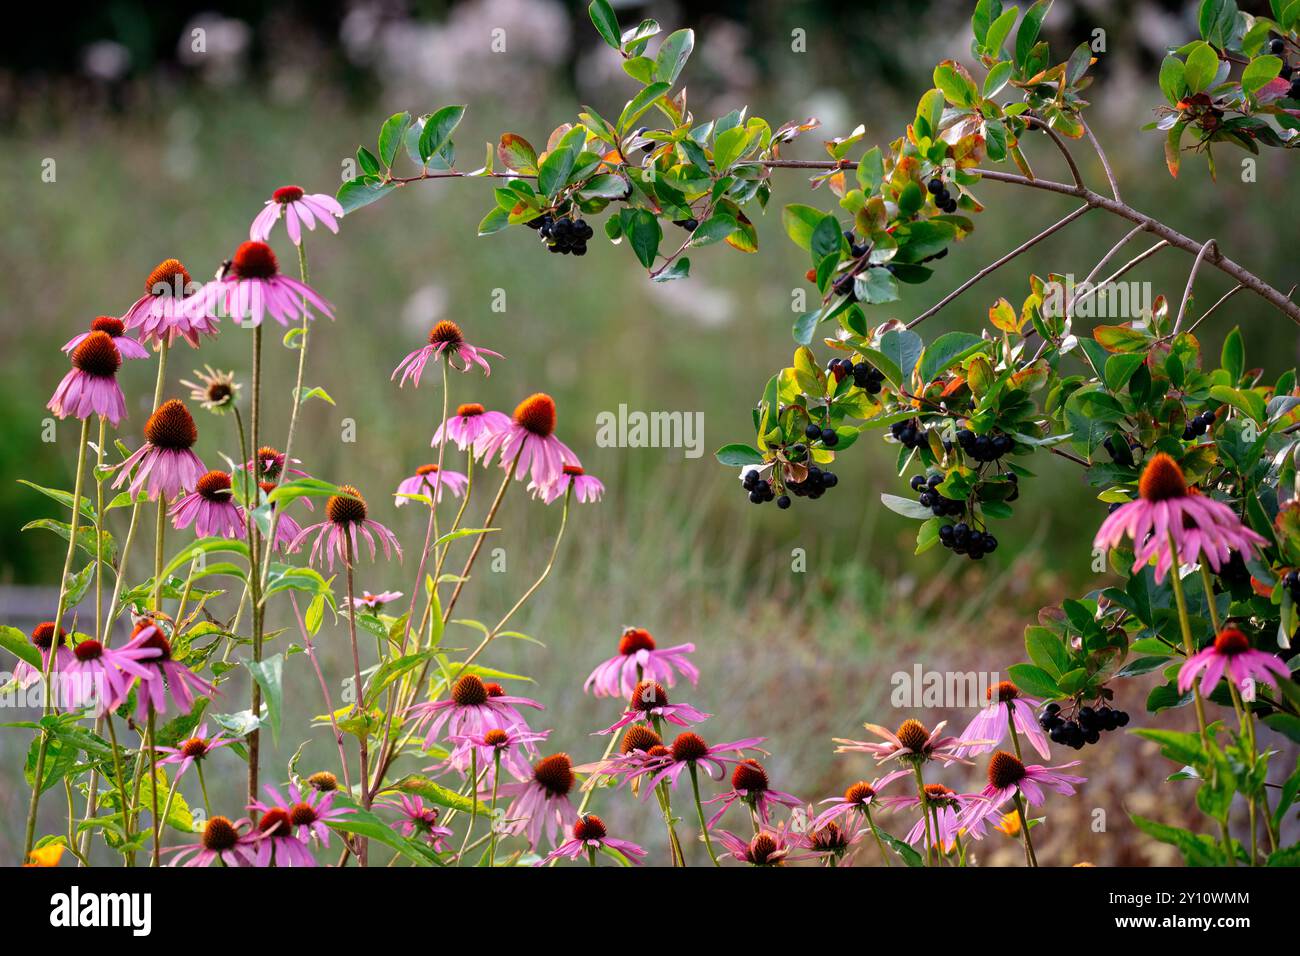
286	529
766	848
297	209
639	749
100	677
590	837
91	387
372	602
989	728
586	488
830	840
749	786
183	683
471	425
420	821
640	658
446	340
649	702
510	743
308	812
115	329
270	464
42	638
858	798
346	519
253	288
691	750
1200	526
429	480
166	465
211	508
276	841
194	748
221	840
163	313
214	391
1009	776
944	808
911	742
542	803
471	709
529	443
1232	654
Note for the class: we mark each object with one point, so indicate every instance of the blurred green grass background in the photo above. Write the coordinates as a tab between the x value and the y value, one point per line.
173	158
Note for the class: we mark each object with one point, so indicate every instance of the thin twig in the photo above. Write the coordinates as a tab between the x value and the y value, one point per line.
1105	163
1191	280
1060	145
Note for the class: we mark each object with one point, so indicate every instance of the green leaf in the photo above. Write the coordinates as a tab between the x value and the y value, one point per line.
269	674
639	104
1030	27
436	134
553	175
390	136
1046	650
606	23
18	644
1201	66
905	852
903	348
1034	680
1233	356
1197	848
643	234
1260	72
355	193
673	54
737	455
444	797
946	351
363	823
906	507
517	154
1172	81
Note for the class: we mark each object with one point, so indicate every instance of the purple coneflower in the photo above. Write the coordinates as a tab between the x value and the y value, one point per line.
649	702
179	679
346	519
42	638
445	340
214	391
639	657
989	728
91	387
589	837
542	803
1008	776
943	806
166	464
420	821
529	443
270	464
509	743
1166	508
221	840
276	841
298	209
211	508
194	748
858	798
308	813
430	480
471	708
372	602
830	840
101	677
1232	654
163	313
253	288
691	750
586	488
639	749
911	742
471	425
127	347
749	786
766	848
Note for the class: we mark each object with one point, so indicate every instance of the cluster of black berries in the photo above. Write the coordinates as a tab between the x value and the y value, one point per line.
1277	46
825	434
1291	581
1085	728
961	538
759	490
818	482
856	249
910	434
563	235
930	498
1198	426
984	447
865	375
941	197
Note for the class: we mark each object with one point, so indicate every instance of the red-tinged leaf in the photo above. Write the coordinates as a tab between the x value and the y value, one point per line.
1120	338
1173	154
1003	316
517	154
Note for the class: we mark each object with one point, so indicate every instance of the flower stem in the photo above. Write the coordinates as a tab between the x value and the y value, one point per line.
153	787
699	809
203	788
160	535
473	796
362	738
493	824
255	567
118	771
880	844
925	813
1030	858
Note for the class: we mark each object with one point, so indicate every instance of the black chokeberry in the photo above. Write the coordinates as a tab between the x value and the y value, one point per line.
783	502
829	438
812	431
935	186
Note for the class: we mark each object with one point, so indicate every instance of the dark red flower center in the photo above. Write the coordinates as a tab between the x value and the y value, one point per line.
658	750
936	794
346	508
427	470
43	635
830	838
469	410
635	639
469	691
750	776
1005	770
573	470
1162	479
214	486
324	781
860	793
219	835
536	414
195	747
171	427
912	735
1231	641
97	355
639	737
275	822
302	814
554	774
254	260
589	827
496	737
287	194
153	639
647	695
270	461
762	847
1003	692
494	690
448	334
106	323
88	650
689	747
169	280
